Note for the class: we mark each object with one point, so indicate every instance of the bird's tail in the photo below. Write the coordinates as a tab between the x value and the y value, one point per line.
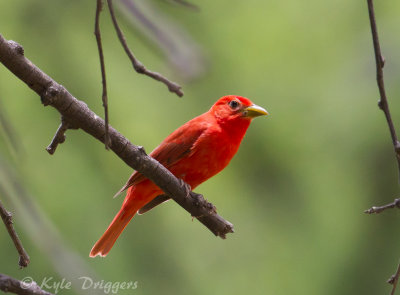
107	240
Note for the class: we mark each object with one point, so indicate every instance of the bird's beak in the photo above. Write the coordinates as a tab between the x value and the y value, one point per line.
254	111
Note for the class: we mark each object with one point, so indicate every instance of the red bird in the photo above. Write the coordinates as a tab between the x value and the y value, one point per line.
194	152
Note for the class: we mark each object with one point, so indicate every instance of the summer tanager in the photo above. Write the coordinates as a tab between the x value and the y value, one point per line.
194	152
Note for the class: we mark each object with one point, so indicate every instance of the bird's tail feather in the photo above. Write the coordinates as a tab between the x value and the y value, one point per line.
107	240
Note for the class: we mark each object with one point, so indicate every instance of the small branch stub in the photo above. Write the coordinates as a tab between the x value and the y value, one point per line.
59	137
17	47
375	209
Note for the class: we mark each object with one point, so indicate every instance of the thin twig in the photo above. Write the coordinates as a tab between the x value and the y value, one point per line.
384	106
394	279
104	96
137	65
78	113
28	287
380	62
7	219
59	137
376	209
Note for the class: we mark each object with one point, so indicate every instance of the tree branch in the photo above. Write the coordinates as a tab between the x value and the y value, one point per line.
7	219
104	96
384	106
394	279
9	284
137	65
78	113
59	137
380	62
375	209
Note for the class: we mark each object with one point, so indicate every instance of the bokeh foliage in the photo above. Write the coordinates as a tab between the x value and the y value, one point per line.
295	192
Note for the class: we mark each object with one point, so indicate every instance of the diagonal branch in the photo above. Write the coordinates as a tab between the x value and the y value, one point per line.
7	219
78	113
29	287
380	62
137	65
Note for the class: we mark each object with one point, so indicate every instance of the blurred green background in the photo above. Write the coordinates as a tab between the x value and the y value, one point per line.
296	190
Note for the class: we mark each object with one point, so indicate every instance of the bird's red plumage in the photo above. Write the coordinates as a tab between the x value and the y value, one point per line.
194	152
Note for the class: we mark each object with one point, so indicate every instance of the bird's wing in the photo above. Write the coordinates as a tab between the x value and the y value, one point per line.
176	146
153	203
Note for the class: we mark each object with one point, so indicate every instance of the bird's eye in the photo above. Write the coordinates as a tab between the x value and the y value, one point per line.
233	104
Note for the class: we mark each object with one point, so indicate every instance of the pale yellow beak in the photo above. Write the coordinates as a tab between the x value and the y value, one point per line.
254	111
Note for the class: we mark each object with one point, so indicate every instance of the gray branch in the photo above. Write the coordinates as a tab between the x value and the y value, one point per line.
379	209
78	113
7	219
9	284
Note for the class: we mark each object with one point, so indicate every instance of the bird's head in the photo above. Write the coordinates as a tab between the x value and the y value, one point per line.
236	108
